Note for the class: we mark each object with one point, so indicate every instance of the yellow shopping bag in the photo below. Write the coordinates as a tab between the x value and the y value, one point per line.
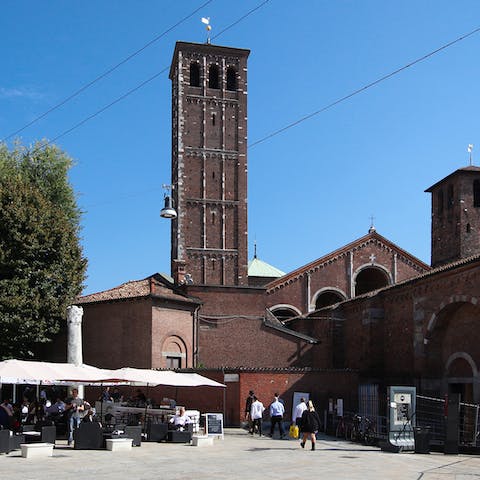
293	431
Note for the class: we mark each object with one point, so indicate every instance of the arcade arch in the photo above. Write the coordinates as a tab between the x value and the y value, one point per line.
452	352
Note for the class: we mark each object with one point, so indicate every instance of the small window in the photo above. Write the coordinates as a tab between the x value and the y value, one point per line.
476	193
440	202
174	362
213	75
231	79
194	75
213	119
469	228
450	197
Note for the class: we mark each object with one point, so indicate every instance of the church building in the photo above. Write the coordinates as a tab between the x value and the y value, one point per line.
368	313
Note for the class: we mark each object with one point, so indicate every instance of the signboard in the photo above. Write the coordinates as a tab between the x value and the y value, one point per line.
214	424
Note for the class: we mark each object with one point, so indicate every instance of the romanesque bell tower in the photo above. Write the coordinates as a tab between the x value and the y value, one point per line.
456	216
209	164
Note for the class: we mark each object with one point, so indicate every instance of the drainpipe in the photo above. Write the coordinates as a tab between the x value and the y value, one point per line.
195	336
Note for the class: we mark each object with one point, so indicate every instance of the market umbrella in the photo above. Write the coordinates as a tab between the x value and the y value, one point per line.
141	376
35	373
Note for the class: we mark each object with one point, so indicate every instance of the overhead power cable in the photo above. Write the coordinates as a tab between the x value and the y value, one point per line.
104	74
145	82
362	89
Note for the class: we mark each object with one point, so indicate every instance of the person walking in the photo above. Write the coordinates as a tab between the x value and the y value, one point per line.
277	411
298	412
256	414
310	425
248	410
74	410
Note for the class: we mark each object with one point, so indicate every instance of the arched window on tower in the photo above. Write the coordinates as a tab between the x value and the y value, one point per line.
231	79
213	74
476	193
194	74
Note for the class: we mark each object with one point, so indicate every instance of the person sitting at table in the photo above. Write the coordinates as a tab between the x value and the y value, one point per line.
116	395
180	419
88	412
6	414
106	397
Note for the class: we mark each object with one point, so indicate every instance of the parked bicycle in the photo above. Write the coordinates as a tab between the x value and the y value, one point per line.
363	430
344	427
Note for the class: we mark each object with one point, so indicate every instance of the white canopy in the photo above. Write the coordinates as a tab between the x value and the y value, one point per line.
32	372
140	376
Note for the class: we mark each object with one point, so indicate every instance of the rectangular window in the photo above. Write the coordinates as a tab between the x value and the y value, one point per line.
174	362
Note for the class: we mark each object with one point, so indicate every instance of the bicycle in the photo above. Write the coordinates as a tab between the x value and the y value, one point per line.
363	430
344	428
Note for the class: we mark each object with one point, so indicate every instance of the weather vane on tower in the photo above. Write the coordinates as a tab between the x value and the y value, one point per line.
206	21
469	150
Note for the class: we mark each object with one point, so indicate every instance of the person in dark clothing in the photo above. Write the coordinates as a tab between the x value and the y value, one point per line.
310	425
248	408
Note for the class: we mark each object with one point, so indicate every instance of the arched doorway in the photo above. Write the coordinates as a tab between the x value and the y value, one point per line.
370	278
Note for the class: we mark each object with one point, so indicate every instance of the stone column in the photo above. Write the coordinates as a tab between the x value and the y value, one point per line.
74	338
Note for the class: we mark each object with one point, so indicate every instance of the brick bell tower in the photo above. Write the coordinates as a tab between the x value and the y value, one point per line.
456	216
209	164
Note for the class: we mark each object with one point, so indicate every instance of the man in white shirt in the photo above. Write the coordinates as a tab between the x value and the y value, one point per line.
299	409
276	416
256	413
180	420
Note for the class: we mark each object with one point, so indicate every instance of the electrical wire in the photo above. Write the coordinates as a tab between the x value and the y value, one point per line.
104	74
362	89
129	92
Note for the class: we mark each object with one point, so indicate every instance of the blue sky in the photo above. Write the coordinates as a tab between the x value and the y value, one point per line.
312	188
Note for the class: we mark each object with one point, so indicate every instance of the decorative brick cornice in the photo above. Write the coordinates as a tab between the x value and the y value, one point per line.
211	253
212	202
192	152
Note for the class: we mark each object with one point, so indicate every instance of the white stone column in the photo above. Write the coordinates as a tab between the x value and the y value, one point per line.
74	338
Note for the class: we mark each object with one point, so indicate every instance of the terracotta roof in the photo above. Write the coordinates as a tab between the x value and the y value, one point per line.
156	285
371	236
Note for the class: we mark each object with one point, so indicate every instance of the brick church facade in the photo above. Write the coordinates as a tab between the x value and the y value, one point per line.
368	313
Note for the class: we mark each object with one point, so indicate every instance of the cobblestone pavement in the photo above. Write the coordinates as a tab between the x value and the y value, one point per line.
241	456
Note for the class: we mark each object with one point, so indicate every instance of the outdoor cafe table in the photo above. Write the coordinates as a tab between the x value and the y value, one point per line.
158	415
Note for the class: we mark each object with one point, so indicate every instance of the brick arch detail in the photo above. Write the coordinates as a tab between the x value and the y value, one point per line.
465	356
378	266
452	299
279	306
174	339
313	301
